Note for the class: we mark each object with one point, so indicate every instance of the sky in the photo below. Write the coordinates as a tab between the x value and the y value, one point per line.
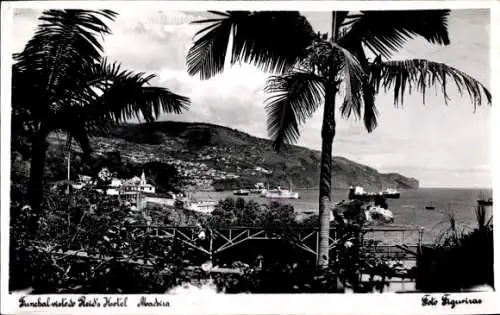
440	145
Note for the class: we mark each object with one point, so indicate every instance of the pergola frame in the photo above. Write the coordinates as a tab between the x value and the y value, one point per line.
221	239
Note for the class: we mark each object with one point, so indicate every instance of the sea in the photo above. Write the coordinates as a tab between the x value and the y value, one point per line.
409	210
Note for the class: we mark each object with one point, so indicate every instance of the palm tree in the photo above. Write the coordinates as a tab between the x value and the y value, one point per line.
312	69
61	83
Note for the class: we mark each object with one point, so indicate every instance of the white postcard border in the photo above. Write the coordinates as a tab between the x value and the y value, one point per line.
245	303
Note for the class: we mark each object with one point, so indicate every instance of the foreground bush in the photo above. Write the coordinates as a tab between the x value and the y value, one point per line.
459	260
87	242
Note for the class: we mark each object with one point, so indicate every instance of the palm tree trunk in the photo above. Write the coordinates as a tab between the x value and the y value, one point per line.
35	188
327	135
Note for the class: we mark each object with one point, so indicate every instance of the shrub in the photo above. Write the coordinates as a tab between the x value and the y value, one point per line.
77	251
459	259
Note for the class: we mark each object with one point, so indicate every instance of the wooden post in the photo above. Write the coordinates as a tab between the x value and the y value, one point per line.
68	189
137	201
317	247
69	169
211	245
146	244
420	238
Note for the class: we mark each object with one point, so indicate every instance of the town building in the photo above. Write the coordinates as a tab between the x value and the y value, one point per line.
137	184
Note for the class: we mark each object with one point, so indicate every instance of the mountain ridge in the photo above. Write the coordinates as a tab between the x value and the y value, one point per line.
243	158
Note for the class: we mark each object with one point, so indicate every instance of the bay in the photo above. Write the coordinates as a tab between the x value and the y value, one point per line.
409	210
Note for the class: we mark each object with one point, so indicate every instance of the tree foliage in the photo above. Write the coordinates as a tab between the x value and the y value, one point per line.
86	244
238	212
62	83
258	38
73	88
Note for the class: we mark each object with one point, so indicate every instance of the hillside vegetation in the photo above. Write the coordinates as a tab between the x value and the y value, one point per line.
215	156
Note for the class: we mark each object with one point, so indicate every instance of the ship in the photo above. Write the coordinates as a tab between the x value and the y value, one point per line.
482	201
241	192
279	193
358	193
485	202
390	193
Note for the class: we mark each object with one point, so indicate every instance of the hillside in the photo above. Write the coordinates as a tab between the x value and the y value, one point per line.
212	155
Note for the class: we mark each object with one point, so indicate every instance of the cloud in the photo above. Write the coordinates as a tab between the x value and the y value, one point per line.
226	99
151	40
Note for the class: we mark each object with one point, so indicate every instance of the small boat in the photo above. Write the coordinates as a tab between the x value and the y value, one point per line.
408	206
241	192
430	207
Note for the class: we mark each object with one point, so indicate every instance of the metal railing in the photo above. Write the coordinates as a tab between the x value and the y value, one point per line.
401	243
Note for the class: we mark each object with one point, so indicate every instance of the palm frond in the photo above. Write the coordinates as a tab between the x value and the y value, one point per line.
384	32
124	94
163	100
109	95
77	130
273	41
370	112
405	75
296	96
77	123
338	18
64	43
207	55
353	82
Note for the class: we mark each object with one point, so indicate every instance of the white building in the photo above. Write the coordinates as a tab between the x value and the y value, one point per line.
137	184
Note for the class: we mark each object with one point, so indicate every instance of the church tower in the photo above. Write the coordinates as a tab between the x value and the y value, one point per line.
143	179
